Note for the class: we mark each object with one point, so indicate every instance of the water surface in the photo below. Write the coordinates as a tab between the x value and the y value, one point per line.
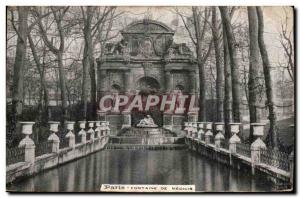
142	167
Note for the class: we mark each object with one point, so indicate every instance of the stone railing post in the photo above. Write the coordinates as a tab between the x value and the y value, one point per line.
195	131
103	128
191	129
291	167
235	139
98	129
70	135
82	132
201	130
185	129
188	129
257	145
219	137
27	143
107	129
91	130
53	139
208	133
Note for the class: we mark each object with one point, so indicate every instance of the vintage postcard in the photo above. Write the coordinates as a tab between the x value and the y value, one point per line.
150	99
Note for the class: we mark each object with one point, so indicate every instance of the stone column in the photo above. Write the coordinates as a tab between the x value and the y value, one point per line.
193	78
103	80
128	82
208	133
91	131
234	129
168	82
53	139
82	132
27	143
257	145
70	135
220	136
126	119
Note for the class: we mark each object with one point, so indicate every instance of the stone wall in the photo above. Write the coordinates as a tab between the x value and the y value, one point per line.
51	160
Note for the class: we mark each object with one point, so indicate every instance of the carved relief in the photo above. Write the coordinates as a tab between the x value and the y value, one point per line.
146	48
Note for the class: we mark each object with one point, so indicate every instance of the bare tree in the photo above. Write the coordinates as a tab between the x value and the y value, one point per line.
273	131
57	51
233	63
94	20
219	77
200	30
41	70
18	77
253	82
286	40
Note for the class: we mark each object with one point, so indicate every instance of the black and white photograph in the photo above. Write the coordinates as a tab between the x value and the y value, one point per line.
150	99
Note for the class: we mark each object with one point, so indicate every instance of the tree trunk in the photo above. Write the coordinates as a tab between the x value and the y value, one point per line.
44	92
227	88
273	131
58	52
253	81
62	85
18	77
89	63
219	78
93	84
234	65
202	87
84	93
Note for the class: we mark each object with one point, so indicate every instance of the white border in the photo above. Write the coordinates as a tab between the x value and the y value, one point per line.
3	4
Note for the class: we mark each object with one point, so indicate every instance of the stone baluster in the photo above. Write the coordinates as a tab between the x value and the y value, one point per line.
194	130
235	139
258	144
82	132
53	139
107	129
189	129
220	136
91	131
27	143
291	162
70	135
208	133
98	129
185	129
201	130
103	128
291	166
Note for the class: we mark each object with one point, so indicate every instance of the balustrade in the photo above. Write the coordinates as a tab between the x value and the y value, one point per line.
256	152
27	150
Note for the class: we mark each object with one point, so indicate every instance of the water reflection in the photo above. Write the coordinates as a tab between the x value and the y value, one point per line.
142	167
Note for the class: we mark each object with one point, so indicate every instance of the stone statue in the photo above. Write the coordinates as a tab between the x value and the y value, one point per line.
147	122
